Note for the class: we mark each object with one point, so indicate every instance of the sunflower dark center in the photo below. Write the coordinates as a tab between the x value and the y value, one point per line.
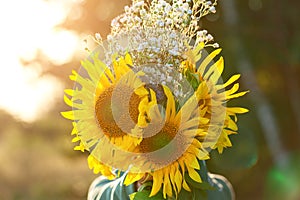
113	119
163	148
159	140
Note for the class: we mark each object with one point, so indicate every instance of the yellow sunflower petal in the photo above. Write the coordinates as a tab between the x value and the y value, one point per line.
80	147
234	89
215	71
194	175
218	71
167	188
74	130
133	177
172	178
178	180
232	80
170	108
84	82
157	182
89	67
192	161
237	110
232	125
128	59
196	53
236	95
69	92
207	60
68	115
186	186
100	167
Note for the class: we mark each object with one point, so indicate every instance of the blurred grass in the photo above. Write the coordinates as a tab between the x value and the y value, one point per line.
37	161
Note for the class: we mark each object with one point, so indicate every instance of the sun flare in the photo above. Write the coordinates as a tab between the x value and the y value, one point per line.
29	29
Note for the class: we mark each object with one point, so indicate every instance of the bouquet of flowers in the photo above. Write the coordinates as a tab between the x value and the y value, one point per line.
149	104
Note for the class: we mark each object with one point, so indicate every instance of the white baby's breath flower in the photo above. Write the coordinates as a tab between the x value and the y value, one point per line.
160	23
98	37
208	3
209	37
126	9
215	45
160	31
212	9
138	4
185	7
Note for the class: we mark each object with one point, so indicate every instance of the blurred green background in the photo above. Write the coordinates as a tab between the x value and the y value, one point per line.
42	41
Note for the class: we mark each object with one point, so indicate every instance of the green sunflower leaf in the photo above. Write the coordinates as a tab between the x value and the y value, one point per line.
185	195
104	189
205	185
145	185
144	195
201	186
192	78
199	194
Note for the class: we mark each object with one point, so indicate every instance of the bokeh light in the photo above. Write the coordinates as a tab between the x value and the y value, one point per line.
29	28
283	182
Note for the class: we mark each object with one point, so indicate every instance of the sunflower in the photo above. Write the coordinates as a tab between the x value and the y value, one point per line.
213	96
172	148
106	109
187	133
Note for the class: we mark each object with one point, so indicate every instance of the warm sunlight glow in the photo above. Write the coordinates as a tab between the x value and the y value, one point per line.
26	28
